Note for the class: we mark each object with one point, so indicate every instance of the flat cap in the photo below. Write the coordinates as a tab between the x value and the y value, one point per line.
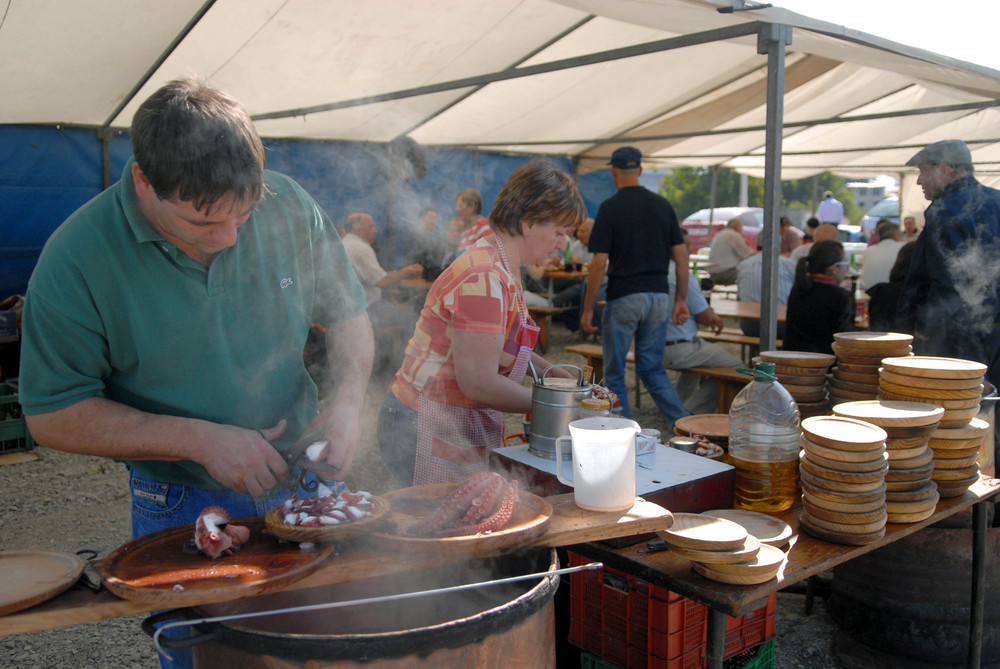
625	157
947	151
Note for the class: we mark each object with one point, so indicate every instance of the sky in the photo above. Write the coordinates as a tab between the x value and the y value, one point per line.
963	29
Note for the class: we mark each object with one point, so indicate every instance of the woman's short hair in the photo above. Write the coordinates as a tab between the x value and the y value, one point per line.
821	256
198	144
538	192
471	196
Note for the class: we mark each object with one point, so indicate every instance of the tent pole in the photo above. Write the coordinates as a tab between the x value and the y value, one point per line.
104	137
771	40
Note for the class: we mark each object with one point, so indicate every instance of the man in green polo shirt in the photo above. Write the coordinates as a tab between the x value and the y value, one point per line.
166	319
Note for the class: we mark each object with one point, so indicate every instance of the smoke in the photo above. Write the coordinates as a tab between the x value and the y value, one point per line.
974	272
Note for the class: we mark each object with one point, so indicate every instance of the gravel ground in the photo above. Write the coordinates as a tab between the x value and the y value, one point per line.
64	502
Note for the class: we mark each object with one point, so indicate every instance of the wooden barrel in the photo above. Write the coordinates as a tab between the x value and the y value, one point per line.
912	598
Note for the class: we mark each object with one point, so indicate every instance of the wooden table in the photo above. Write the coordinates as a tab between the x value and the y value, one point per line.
554	273
807	557
749	310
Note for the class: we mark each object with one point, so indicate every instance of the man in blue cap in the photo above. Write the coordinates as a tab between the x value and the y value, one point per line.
636	234
951	297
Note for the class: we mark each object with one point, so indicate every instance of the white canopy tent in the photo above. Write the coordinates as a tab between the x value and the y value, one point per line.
686	83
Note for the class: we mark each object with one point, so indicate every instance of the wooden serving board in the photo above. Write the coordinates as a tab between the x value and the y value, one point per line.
747	551
155	568
922	382
887	413
934	367
30	577
844	507
715	426
798	358
693	530
877	340
768	529
933	393
976	428
844	433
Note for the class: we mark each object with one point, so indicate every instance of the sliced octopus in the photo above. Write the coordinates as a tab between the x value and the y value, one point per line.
484	503
215	536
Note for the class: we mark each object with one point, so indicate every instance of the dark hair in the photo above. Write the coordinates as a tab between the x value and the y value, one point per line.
537	192
197	144
471	196
821	256
813	222
901	267
886	229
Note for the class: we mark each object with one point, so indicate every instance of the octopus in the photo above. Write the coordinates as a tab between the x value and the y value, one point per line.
484	503
215	536
327	509
604	393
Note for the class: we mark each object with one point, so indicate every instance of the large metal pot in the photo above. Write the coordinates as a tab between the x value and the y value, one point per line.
554	404
502	625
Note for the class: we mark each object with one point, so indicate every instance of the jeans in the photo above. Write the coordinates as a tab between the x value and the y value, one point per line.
642	316
397	438
158	506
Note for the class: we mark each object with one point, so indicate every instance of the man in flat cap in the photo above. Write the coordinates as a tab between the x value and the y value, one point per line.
636	234
951	297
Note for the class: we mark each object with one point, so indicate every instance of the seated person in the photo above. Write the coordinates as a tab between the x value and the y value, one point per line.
817	306
824	231
425	247
685	350
879	258
791	237
728	249
748	287
883	297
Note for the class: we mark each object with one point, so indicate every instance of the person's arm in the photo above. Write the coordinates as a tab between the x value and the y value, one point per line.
477	358
680	255
391	278
594	278
350	351
236	457
710	319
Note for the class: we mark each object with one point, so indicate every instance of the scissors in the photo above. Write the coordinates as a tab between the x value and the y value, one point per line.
296	457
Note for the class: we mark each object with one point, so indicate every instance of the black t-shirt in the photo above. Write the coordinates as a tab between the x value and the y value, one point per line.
638	230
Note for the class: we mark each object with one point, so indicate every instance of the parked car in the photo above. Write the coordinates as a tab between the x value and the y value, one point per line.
887	208
697	224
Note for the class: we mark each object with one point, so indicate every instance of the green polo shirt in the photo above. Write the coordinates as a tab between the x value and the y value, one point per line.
115	311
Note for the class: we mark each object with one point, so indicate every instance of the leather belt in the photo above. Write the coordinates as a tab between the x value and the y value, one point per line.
680	341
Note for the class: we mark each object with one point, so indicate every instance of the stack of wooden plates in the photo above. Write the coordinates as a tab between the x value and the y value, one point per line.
911	493
951	383
842	468
803	375
859	356
956	456
722	550
713	426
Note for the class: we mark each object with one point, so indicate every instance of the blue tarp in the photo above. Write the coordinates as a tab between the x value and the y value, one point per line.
47	172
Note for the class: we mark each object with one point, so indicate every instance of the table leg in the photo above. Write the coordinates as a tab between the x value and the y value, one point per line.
551	284
715	648
978	584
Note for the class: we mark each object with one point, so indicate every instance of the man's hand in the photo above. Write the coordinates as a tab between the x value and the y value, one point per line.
245	460
681	313
410	271
587	321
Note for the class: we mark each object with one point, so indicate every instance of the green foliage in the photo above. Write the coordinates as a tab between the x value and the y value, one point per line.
690	189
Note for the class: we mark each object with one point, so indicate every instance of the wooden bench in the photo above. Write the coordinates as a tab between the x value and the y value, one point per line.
593	354
749	345
543	318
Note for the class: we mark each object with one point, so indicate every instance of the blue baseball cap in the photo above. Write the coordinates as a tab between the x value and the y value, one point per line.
626	157
948	151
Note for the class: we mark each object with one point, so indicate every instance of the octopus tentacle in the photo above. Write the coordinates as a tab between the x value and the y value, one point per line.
495	521
454	505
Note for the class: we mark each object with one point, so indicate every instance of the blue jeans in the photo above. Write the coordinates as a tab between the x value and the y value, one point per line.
642	316
158	506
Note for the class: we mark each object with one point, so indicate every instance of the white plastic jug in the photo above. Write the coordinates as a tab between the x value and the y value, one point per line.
603	451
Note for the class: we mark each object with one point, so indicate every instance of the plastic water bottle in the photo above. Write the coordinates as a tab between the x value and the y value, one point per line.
764	443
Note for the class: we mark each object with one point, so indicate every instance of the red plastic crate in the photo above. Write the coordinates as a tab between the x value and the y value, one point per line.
636	624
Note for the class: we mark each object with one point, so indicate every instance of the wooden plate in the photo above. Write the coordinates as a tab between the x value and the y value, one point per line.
915	474
911	517
944	456
809	397
841	386
957	463
805	390
878	340
977	427
841	455
734	579
746	552
886	413
947	404
792	370
855	377
768	558
921	382
848	528
906	453
274	519
862	497
693	530
934	367
958	417
915	506
32	577
410	505
918	461
842	395
932	393
849	507
840	486
856	368
926	491
851	517
960	474
806	524
798	358
155	569
800	380
864	466
846	433
768	529
715	426
815	469
956	488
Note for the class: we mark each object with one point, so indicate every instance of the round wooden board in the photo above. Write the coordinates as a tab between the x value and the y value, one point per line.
806	523
949	405
841	387
916	474
839	396
865	466
768	558
274	519
921	460
155	569
799	380
977	427
915	506
858	368
956	463
911	517
904	443
816	469
846	433
855	377
809	398
960	474
805	390
886	413
810	409
768	529
958	417
906	453
963	447
925	491
31	577
811	372
935	367
954	455
850	497
840	486
921	382
798	358
715	426
843	507
746	552
848	528
693	530
851	517
955	488
842	455
755	578
877	340
906	486
931	393
410	505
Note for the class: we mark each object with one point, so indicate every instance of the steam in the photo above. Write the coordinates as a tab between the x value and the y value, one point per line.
974	272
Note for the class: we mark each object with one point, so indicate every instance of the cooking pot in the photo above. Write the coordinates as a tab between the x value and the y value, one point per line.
512	624
555	403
